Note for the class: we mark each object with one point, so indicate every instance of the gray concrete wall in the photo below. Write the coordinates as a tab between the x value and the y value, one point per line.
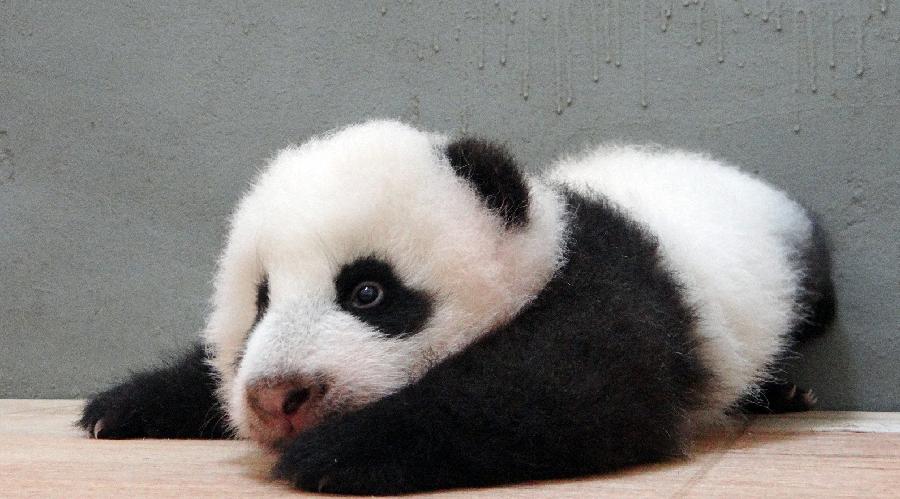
129	129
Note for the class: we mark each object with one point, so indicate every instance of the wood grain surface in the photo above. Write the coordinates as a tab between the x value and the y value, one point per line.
817	454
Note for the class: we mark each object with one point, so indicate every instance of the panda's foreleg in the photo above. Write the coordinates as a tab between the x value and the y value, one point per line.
176	400
523	405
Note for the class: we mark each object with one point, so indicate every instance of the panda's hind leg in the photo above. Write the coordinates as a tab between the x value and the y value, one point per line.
817	306
776	397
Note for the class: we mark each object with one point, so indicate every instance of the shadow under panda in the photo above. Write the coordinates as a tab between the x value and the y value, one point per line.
396	311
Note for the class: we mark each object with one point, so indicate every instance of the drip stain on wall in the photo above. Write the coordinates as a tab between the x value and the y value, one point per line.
497	23
7	168
863	17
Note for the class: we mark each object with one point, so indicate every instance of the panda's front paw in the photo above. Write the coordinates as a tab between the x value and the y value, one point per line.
331	460
116	413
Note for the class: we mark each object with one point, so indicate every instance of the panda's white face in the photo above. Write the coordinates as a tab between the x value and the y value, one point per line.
356	262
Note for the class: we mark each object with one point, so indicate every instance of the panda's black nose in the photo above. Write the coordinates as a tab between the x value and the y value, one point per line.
294	399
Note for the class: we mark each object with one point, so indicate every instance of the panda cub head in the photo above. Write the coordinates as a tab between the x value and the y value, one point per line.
360	259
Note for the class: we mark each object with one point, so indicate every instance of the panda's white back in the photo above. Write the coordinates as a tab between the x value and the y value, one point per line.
730	240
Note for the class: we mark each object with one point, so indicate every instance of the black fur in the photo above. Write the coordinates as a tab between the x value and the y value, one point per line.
493	172
262	300
818	300
174	401
402	312
596	374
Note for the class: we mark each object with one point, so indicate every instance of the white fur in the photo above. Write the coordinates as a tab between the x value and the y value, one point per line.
378	188
729	238
383	188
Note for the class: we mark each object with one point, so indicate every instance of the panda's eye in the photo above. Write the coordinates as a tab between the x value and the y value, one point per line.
367	294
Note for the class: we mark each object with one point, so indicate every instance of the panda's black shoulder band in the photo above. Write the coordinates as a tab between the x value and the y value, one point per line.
493	173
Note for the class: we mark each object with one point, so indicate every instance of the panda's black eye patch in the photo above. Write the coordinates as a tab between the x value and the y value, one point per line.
262	299
369	289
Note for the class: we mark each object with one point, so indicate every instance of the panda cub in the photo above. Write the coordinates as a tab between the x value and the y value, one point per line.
399	311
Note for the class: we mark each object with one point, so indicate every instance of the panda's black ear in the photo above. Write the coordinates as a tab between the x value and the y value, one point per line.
493	173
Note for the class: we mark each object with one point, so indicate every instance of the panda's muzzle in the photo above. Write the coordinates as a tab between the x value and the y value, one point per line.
285	406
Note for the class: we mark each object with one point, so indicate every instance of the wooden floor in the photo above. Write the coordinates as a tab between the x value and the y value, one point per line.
821	454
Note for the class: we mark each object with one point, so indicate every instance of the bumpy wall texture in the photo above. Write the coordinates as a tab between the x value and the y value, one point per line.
129	129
